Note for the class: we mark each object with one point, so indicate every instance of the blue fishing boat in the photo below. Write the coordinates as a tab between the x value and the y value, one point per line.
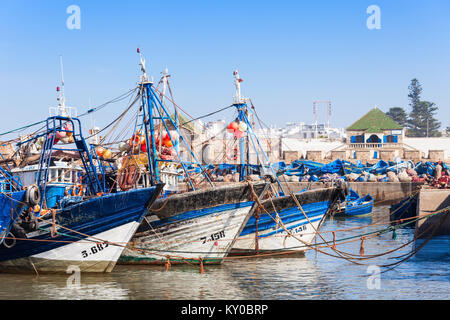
283	222
197	226
359	207
87	231
354	205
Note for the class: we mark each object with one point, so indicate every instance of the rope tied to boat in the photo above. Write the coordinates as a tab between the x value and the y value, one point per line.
160	208
292	235
53	231
361	250
168	264
256	231
334	240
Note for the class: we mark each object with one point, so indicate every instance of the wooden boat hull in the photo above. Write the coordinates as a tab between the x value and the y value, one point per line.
91	238
193	227
265	236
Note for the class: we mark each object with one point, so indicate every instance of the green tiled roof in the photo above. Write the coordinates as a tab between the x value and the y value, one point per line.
186	123
375	121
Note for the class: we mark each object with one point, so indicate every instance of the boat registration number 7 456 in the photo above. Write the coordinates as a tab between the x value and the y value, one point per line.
213	237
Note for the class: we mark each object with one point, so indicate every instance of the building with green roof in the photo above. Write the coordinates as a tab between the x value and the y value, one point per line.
373	134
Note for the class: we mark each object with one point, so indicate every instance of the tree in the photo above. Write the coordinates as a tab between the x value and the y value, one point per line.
399	115
415	90
421	122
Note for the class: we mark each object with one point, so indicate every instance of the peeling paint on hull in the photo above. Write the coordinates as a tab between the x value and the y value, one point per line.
205	233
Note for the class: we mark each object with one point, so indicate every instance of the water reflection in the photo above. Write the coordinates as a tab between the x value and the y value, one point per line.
49	287
313	276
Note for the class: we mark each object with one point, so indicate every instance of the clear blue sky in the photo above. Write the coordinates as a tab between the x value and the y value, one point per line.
289	54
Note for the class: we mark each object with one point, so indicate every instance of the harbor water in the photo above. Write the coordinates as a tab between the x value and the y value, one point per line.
425	276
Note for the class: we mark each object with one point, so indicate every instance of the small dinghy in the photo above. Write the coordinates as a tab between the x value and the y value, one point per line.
360	207
354	205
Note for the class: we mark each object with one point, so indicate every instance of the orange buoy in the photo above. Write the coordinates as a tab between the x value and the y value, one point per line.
100	151
168	143
107	154
69	129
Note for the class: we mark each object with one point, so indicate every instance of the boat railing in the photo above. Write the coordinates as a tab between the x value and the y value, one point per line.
375	145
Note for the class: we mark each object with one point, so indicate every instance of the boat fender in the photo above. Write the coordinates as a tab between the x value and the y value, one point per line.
9	241
33	196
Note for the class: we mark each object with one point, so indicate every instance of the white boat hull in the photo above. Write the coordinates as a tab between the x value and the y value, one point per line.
207	238
86	254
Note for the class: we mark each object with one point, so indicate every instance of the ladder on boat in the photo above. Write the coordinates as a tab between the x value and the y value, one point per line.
59	124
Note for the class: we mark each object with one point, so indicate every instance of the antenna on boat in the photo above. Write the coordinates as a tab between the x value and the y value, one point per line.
144	77
241	106
166	85
153	109
61	98
165	76
61	109
93	132
237	99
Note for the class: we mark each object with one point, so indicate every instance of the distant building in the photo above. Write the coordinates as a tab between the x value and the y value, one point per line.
304	131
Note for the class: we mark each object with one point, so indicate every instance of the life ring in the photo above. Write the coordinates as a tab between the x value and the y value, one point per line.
74	190
80	192
233	156
33	195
